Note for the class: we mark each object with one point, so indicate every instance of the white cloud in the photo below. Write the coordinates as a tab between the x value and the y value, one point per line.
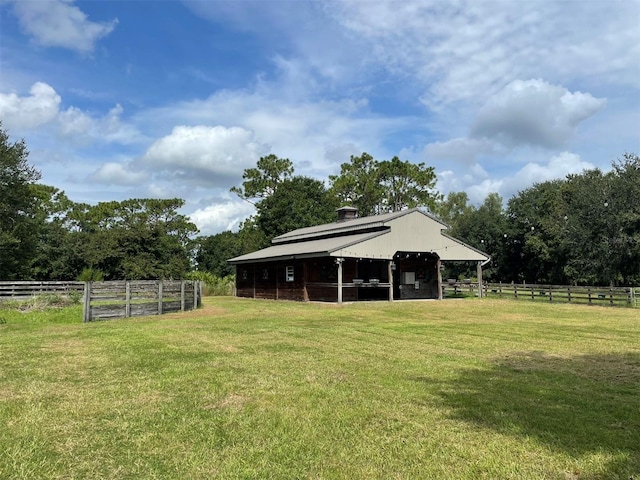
32	111
212	156
478	182
42	107
534	112
114	173
467	50
58	23
221	215
558	166
109	128
307	132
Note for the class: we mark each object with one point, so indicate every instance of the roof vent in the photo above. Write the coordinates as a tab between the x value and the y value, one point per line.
347	213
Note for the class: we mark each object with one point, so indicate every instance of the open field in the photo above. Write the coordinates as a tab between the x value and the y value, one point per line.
476	388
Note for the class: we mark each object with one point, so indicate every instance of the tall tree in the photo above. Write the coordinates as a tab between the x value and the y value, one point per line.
453	207
358	185
388	186
18	206
58	256
486	228
262	181
136	238
536	223
298	202
407	185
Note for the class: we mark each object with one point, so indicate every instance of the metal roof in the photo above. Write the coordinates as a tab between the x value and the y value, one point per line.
379	236
312	248
348	226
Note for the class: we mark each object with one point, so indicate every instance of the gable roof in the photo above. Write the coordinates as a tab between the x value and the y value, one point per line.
373	222
377	236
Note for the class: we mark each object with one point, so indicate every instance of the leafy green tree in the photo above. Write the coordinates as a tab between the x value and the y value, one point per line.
57	254
453	207
135	239
536	225
407	185
263	181
298	202
388	186
358	185
18	206
486	228
626	238
212	253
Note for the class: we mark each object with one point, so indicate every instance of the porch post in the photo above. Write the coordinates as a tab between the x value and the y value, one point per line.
439	264
390	280
339	262
479	272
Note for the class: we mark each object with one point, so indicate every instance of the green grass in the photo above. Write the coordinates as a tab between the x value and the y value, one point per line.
479	388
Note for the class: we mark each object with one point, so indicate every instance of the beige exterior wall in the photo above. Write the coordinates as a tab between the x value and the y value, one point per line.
414	232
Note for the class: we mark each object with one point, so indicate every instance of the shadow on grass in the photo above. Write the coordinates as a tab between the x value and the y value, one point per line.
578	405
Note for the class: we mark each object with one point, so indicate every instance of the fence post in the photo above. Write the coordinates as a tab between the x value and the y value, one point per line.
550	294
569	293
515	291
86	310
195	294
589	292
611	296
532	294
127	299
160	297
182	296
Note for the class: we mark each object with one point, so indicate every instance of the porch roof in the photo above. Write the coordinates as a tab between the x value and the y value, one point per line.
309	249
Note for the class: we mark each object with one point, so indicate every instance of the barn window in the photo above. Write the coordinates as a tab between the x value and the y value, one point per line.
245	274
265	274
289	273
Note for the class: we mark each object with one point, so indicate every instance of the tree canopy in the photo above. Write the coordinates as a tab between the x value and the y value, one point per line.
583	229
18	209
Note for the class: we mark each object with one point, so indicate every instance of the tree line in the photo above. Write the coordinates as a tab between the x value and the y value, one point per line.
581	229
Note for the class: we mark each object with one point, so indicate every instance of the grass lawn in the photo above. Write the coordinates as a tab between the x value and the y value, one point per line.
458	389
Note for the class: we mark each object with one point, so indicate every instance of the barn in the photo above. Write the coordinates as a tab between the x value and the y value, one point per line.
393	256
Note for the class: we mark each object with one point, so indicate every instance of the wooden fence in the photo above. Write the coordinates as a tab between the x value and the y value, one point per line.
26	290
121	299
588	295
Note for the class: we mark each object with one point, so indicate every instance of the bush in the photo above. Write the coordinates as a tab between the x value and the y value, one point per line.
91	275
214	285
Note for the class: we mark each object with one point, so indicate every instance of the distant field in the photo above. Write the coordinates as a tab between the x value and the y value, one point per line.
457	389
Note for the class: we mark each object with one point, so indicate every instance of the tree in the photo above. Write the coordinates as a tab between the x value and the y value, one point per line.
407	185
536	223
18	220
212	253
625	195
262	181
486	228
298	202
388	186
358	185
135	239
57	256
453	207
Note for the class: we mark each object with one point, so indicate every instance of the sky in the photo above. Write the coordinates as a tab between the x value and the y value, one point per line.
163	99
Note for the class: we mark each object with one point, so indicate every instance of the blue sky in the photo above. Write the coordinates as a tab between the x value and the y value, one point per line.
124	99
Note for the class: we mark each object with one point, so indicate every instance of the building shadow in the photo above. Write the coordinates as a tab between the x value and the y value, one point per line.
577	405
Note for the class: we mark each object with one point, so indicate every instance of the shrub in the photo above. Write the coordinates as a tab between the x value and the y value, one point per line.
91	275
214	285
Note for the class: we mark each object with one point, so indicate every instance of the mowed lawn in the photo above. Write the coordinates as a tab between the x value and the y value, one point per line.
457	389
